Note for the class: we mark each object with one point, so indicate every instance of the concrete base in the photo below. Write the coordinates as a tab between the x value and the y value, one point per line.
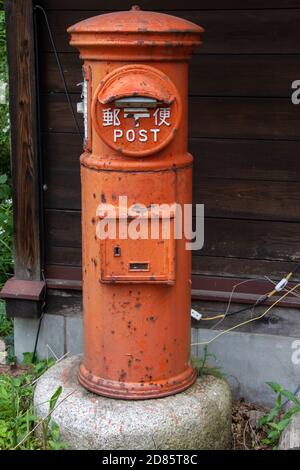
197	419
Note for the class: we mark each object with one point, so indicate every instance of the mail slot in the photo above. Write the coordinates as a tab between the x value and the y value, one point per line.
140	267
136	176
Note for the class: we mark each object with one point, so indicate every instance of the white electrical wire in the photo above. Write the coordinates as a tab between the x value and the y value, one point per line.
251	320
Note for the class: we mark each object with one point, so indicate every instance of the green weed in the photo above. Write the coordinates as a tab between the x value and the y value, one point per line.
6	230
5	323
17	417
278	419
201	364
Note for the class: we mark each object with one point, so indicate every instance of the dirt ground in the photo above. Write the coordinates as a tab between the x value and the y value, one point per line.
13	370
246	433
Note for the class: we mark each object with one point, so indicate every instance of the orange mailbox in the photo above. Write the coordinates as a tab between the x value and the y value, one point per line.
136	171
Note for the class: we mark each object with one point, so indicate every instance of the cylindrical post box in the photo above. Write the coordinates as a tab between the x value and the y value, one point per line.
136	165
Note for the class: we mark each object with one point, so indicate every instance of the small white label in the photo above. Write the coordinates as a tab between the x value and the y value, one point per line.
80	108
85	109
196	315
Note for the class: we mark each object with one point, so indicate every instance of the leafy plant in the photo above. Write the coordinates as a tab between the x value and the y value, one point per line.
17	417
10	347
4	114
5	323
6	231
50	431
202	366
278	419
6	257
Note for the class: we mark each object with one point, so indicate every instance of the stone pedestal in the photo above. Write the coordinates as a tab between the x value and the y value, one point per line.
199	418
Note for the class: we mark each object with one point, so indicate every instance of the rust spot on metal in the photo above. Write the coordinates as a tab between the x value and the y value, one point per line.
123	376
152	319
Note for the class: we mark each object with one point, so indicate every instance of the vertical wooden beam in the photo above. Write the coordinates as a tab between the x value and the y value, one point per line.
24	139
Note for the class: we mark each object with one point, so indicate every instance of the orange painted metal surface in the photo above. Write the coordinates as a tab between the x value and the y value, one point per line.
136	292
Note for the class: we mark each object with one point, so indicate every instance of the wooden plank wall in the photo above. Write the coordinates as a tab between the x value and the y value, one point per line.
244	133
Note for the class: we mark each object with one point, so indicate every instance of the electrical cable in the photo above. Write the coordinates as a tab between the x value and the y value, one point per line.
296	268
40	321
280	286
295	294
242	310
296	393
41	191
62	75
37	338
223	316
38	7
218	317
251	320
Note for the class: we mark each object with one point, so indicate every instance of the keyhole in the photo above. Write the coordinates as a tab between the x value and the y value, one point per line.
117	251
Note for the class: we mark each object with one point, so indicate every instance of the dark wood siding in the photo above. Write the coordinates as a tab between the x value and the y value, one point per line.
244	134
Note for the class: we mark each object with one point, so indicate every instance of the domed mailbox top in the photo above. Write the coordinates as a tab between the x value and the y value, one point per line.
143	32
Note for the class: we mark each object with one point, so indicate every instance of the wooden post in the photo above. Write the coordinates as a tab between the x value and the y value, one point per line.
23	113
25	159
